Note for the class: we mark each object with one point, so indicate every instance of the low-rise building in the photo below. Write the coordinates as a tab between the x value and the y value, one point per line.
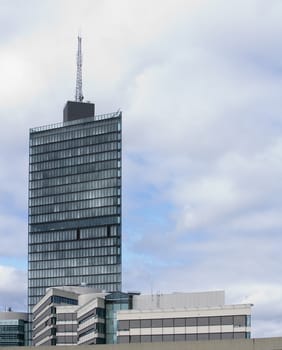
168	325
81	315
13	328
77	315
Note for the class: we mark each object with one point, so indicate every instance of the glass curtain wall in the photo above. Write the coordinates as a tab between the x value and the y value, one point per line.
75	205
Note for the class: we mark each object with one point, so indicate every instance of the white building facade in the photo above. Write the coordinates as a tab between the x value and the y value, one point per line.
80	315
183	317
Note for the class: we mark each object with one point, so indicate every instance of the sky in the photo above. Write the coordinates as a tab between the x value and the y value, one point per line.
200	84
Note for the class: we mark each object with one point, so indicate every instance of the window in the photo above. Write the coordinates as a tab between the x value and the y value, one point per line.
134	323
239	321
227	335
191	337
146	323
145	338
214	321
191	322
203	321
203	336
179	322
123	339
53	309
179	337
62	300
157	338
157	323
168	337
168	322
123	325
135	339
227	320
239	335
215	336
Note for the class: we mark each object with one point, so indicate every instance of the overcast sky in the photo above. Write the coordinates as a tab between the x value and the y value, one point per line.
200	86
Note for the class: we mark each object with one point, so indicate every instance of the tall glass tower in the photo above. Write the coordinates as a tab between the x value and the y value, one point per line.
75	202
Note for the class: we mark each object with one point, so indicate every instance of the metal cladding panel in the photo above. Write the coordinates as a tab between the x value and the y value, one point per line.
78	110
179	300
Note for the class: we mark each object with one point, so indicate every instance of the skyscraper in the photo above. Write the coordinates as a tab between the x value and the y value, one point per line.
75	202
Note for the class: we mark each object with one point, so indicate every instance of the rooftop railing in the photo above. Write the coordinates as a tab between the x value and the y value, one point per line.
76	121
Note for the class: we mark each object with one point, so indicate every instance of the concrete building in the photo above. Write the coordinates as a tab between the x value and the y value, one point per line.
183	317
79	315
13	328
75	202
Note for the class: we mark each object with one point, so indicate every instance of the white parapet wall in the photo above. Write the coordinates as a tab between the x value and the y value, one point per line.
178	300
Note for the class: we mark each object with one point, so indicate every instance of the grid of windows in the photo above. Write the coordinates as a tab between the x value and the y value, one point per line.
75	182
114	302
236	320
75	170
75	205
87	128
94	232
12	332
57	299
181	337
239	323
73	151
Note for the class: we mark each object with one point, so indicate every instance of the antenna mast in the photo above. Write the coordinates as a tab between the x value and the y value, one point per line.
78	88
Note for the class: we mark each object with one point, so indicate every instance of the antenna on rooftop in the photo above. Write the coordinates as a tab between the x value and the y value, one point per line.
78	88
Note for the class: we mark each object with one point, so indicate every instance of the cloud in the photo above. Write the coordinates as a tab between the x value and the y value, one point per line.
200	87
13	229
13	287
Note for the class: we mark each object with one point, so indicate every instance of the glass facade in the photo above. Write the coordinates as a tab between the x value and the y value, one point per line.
236	321
115	302
184	329
75	205
181	337
13	332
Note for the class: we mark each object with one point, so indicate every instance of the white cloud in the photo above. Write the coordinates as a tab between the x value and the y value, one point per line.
200	86
13	235
13	284
267	309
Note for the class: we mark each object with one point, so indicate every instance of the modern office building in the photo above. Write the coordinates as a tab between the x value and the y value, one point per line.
77	315
180	317
75	202
13	328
